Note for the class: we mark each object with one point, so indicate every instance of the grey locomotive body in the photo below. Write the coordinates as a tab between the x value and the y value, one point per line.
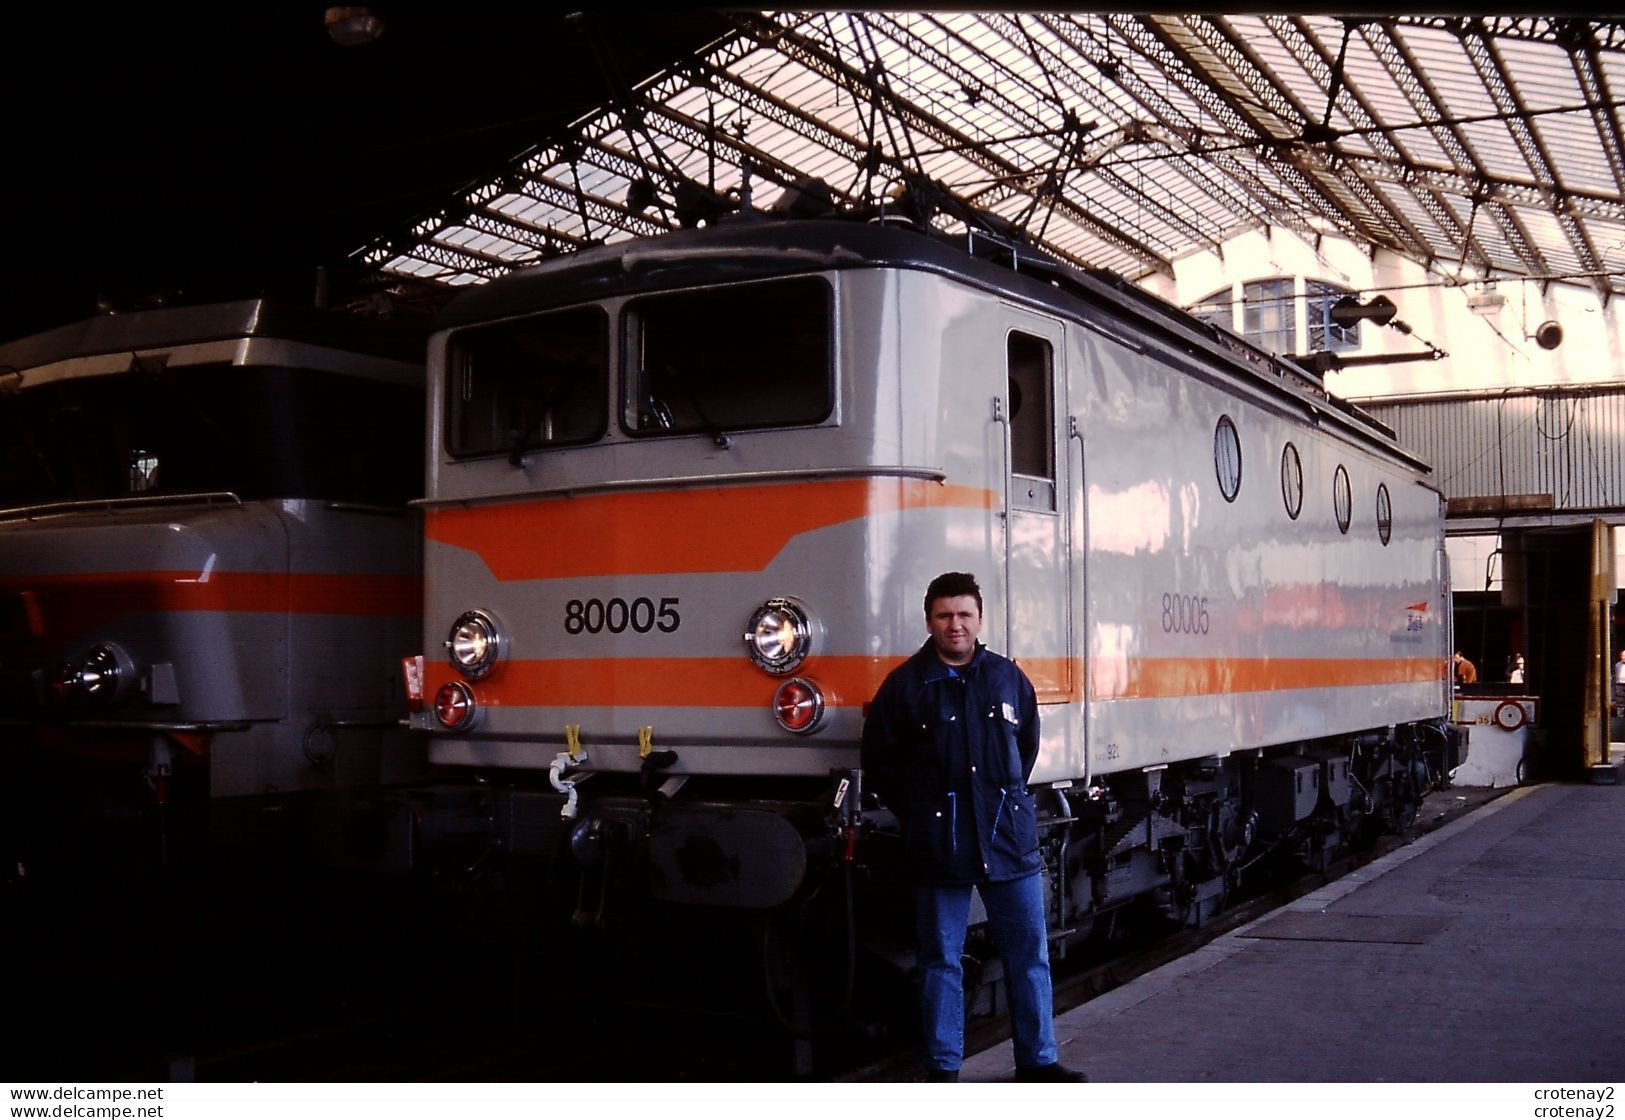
1227	586
206	580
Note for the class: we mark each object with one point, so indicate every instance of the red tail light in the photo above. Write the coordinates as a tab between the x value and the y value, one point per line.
798	705
454	706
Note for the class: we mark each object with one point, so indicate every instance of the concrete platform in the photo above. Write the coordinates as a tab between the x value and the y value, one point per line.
1491	950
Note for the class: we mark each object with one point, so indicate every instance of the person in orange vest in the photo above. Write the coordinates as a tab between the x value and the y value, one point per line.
1466	672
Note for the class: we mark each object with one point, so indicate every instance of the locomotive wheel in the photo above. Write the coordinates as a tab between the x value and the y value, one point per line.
1402	812
1227	836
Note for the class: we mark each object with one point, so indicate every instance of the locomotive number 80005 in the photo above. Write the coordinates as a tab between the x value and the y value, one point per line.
783	430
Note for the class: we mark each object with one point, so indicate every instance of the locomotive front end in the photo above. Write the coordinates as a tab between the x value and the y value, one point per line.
647	586
200	599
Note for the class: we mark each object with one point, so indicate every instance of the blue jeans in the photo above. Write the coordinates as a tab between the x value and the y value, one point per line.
1015	914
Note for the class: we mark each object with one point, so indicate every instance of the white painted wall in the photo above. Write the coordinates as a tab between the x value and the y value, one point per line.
1487	350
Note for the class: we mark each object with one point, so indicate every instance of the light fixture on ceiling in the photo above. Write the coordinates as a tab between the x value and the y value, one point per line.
353	26
1486	300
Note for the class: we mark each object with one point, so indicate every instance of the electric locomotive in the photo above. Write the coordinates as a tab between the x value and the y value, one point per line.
208	569
684	496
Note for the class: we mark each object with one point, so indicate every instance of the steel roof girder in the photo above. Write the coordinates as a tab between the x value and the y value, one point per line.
1373	202
1257	200
1068	33
735	152
1153	37
1464	184
1261	81
494	260
1008	28
605	211
808	127
596	152
1270	112
757	100
1168	215
452	259
1429	186
814	57
833	68
792	118
1588	72
1246	195
1313	183
549	239
944	64
1606	34
1425	100
1493	73
1412	80
568	199
1313	57
1497	81
1157	49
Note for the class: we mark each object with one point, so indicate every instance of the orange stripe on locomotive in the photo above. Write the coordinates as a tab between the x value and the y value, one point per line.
607	534
62	606
716	682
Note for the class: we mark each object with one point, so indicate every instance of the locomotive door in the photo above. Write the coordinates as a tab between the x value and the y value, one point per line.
1038	605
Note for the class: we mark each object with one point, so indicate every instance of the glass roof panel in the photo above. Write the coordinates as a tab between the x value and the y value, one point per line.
1162	130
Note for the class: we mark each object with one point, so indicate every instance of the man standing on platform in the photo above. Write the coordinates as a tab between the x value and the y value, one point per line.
949	742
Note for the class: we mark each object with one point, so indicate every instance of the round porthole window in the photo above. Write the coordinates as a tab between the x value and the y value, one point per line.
1227	458
1291	481
1342	499
1385	513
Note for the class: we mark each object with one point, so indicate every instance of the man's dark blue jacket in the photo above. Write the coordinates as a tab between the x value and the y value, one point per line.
949	751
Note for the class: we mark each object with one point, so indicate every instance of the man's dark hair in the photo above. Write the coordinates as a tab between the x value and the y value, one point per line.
951	585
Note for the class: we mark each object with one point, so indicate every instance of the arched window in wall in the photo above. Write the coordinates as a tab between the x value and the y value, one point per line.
1267	314
1216	309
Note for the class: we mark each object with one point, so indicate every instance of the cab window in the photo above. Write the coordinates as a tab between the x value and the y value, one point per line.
529	383
718	360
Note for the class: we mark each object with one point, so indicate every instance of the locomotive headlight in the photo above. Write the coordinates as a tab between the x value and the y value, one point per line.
454	706
474	644
779	636
103	675
798	705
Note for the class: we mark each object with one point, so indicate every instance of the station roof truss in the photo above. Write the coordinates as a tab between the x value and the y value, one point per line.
1483	147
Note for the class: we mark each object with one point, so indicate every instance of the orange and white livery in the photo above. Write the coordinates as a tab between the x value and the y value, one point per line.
684	497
